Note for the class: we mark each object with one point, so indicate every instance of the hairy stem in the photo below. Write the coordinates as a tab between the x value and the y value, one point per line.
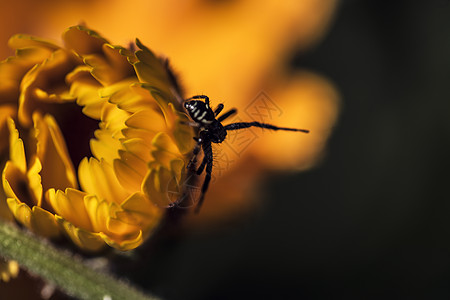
69	274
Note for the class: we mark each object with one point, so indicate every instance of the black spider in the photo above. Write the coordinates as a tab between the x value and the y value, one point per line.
212	131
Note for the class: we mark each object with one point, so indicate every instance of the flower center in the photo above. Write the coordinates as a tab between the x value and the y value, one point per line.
77	128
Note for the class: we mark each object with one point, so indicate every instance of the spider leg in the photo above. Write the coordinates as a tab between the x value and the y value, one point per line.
202	165
227	114
204	97
207	150
193	161
218	109
242	125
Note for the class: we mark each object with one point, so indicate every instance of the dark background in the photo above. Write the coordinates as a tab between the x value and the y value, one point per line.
373	220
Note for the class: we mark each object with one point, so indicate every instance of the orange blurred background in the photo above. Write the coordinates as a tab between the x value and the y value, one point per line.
232	51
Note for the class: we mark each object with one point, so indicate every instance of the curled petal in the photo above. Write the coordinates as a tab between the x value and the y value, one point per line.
86	240
70	204
138	210
126	244
139	148
19	41
44	223
112	229
25	180
83	40
105	146
164	149
86	90
130	97
36	219
111	66
142	134
16	148
14	68
150	120
113	119
98	178
6	112
150	69
130	170
16	185
162	186
21	211
182	133
58	171
98	211
45	83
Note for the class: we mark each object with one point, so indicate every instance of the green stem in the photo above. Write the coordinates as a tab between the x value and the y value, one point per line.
71	275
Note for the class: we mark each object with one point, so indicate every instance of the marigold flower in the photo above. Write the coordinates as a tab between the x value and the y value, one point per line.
117	196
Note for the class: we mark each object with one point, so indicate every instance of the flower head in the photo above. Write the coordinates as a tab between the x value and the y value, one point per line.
109	189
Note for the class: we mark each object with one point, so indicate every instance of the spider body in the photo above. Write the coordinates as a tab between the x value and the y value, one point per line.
204	117
212	131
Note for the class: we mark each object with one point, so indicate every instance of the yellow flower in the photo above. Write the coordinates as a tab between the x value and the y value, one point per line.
8	270
114	188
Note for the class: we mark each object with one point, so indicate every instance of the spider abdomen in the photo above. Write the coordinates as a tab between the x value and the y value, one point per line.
200	112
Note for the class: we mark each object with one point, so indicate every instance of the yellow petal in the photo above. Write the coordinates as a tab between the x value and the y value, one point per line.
120	229
126	99
43	223
163	100
183	134
163	142
34	180
139	148
138	210
45	82
16	185
14	68
58	171
21	211
123	245
151	70
5	213
105	146
86	240
83	40
110	67
6	112
70	205
161	187
151	120
86	90
164	149
113	119
98	178
98	212
130	171
17	151
27	41
144	135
